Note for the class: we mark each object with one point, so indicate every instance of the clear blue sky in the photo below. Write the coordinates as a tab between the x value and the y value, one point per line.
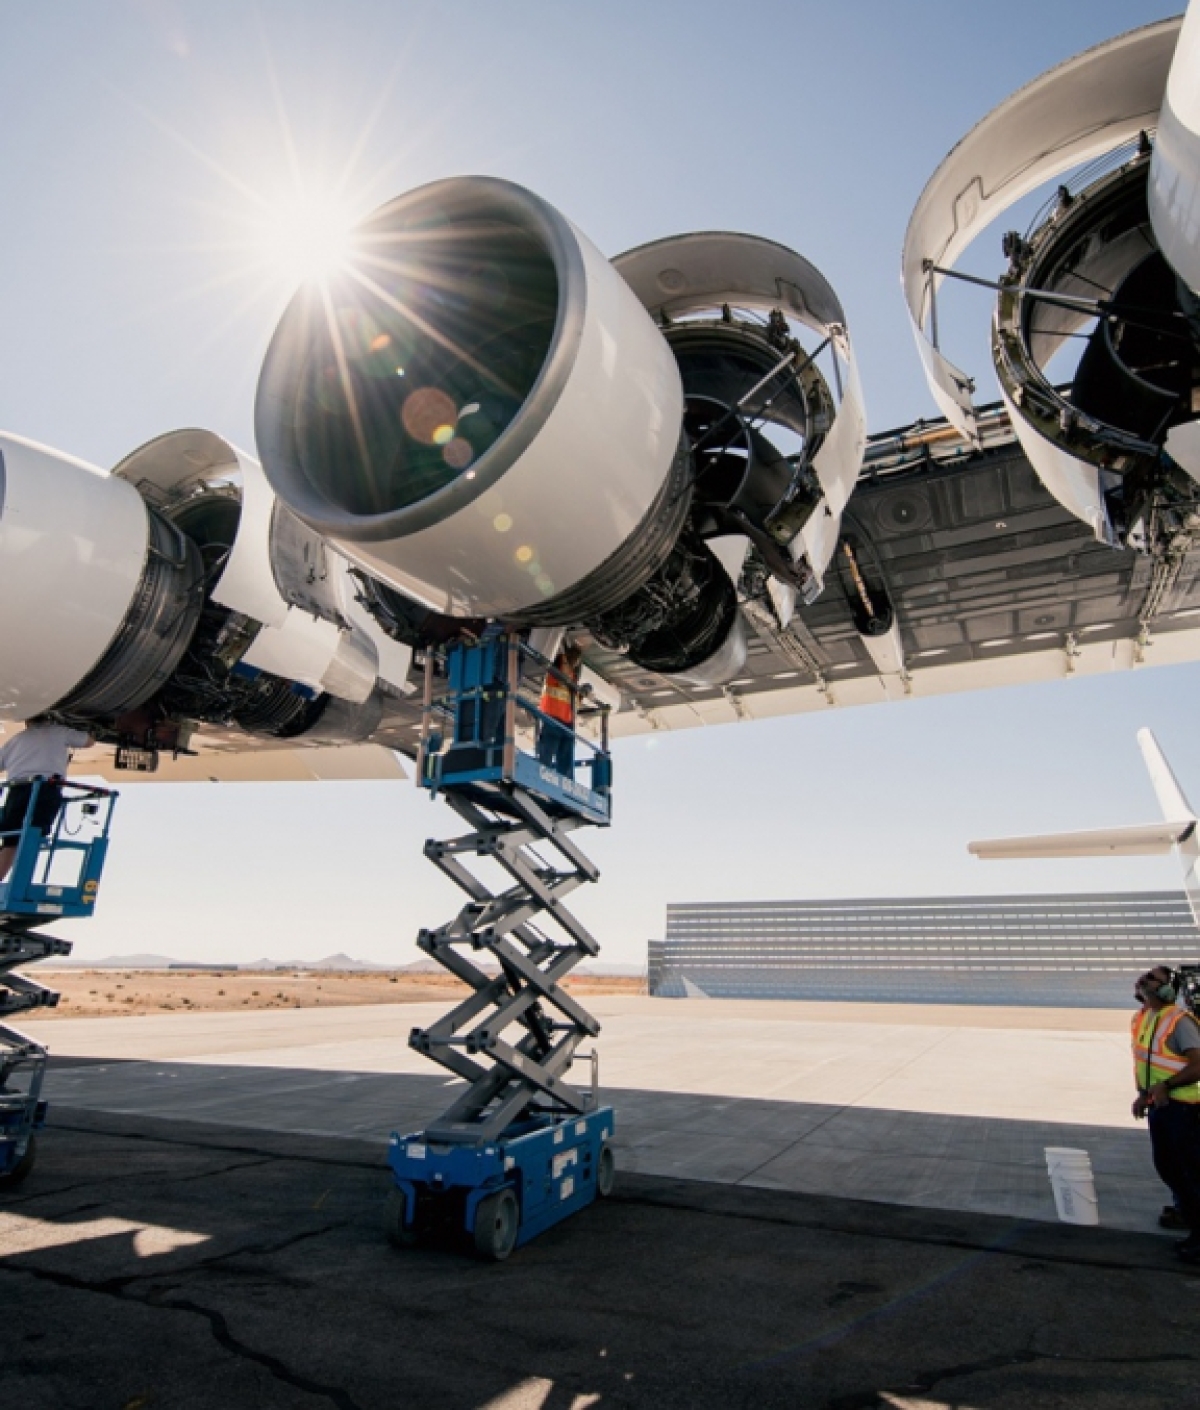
147	140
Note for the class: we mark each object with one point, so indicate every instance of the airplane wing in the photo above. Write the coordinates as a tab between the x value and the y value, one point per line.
233	759
992	581
1145	840
1177	832
663	455
254	765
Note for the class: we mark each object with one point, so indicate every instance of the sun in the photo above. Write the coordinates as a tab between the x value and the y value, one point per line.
306	235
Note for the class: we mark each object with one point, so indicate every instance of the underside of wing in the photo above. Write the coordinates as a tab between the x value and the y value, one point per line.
990	580
987	579
251	761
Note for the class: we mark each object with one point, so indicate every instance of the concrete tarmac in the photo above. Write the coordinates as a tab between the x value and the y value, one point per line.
148	1264
935	1106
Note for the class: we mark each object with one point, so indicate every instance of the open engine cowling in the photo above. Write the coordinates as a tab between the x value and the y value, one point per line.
1108	267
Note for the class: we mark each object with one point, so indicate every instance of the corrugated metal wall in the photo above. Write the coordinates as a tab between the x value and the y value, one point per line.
1068	951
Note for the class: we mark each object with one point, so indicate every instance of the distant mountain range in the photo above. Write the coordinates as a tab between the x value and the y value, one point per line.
338	962
344	963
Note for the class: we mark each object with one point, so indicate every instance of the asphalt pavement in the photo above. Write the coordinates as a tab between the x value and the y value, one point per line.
150	1263
941	1106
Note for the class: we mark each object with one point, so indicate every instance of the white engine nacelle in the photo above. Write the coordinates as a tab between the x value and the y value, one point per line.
178	583
1175	174
478	410
99	593
493	421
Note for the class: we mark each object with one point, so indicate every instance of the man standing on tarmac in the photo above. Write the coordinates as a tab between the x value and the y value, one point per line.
1166	1066
42	752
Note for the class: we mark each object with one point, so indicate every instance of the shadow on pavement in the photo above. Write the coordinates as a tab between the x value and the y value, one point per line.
175	1263
974	1164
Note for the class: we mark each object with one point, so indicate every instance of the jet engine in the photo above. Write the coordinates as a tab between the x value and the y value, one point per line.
175	592
1107	270
480	418
491	420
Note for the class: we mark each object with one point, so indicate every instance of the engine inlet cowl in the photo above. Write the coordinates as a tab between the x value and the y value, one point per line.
477	410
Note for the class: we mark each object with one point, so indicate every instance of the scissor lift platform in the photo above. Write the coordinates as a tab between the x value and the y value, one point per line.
55	875
469	736
521	1148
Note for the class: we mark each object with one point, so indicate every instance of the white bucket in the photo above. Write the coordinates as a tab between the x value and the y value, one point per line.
1074	1189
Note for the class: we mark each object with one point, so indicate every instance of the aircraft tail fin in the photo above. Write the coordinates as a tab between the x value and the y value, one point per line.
1175	807
1179	830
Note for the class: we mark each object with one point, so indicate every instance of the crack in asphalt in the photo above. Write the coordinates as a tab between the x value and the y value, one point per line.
197	1144
201	1265
279	1369
148	1177
110	1287
925	1381
154	1177
120	1287
262	1250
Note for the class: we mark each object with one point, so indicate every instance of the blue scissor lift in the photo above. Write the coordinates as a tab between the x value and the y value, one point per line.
55	876
521	1148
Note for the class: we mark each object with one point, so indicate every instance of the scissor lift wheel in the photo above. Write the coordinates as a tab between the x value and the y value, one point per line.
497	1220
606	1171
12	1178
398	1234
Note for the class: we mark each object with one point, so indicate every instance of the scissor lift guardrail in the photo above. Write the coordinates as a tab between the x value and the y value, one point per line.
55	875
522	1147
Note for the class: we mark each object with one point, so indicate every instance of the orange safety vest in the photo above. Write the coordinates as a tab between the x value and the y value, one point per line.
557	699
1152	1059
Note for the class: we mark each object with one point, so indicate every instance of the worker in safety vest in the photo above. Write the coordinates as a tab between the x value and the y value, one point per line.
556	740
1166	1069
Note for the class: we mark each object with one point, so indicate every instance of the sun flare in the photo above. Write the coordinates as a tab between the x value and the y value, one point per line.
306	235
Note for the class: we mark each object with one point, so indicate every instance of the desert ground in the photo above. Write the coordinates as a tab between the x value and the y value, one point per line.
90	993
